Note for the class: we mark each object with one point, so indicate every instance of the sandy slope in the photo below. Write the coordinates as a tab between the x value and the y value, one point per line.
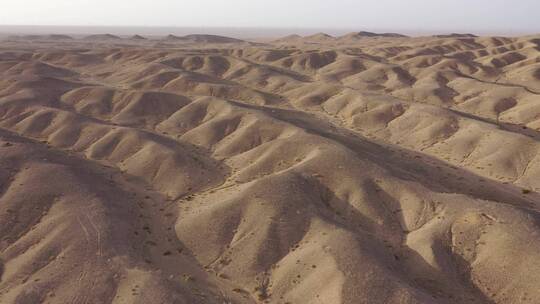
367	168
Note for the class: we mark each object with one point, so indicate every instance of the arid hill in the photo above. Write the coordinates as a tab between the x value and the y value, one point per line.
102	37
456	35
40	37
320	37
200	38
383	170
364	34
138	37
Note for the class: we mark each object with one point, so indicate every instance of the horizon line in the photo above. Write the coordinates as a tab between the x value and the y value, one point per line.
290	29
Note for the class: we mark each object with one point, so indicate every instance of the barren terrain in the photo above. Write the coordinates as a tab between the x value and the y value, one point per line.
368	168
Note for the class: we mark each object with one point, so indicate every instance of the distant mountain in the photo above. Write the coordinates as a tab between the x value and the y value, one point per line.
200	38
102	37
59	37
173	37
320	37
289	38
137	37
456	35
41	37
364	34
203	38
25	37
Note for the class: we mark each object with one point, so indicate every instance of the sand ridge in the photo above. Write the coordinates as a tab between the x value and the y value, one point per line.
366	168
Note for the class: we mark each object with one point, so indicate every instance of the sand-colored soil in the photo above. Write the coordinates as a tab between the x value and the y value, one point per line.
369	168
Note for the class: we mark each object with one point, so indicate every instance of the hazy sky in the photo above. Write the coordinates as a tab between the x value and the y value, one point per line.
405	15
